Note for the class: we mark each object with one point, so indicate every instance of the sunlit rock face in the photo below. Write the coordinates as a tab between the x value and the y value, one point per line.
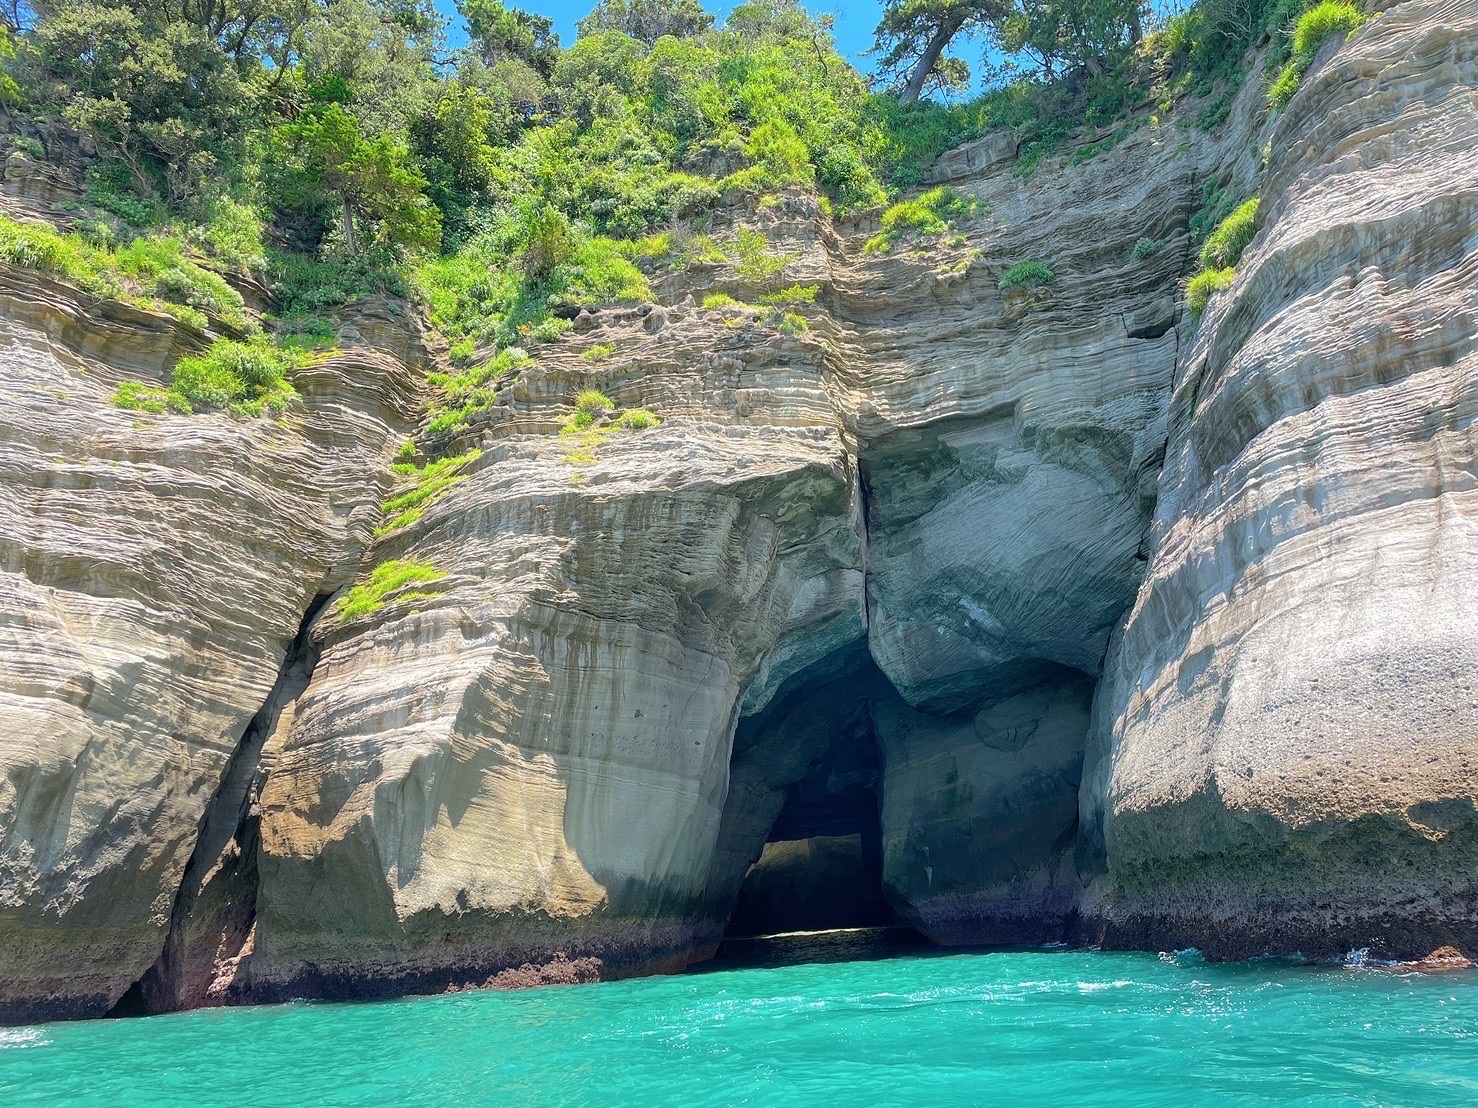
536	759
1283	757
153	570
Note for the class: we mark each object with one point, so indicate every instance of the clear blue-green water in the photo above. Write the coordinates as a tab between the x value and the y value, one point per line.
1036	1028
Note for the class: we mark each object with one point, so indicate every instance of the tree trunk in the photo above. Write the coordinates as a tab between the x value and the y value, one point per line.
919	75
349	225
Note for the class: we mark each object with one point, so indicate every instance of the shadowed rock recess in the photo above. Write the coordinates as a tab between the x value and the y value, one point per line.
1017	616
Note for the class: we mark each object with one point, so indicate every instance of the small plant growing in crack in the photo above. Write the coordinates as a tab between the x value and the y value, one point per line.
1026	273
388	581
430	483
595	417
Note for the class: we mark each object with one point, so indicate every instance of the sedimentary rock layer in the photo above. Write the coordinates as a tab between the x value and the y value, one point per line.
1284	757
152	572
917	524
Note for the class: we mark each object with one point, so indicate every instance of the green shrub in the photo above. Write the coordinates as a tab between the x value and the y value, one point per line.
753	259
929	215
1322	20
148	267
232	233
29	146
637	419
386	581
595	416
1329	17
1286	83
473	390
38	246
120	201
650	247
594	402
1200	287
716	301
793	324
1145	248
795	294
697	248
247	377
546	330
1027	272
476	294
1216	204
303	285
431	481
598	352
139	397
161	266
1224	246
308	334
448	418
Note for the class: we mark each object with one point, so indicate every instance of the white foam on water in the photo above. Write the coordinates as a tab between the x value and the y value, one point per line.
18	1038
1100	986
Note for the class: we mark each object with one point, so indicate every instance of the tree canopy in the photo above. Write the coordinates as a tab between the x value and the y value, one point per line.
345	143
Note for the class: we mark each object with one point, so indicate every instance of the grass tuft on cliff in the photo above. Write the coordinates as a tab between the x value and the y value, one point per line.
473	390
151	273
388	581
1025	273
1220	254
1224	246
246	378
1327	18
430	482
931	215
596	416
1199	289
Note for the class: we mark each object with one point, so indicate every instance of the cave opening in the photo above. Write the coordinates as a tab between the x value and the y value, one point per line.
850	808
802	829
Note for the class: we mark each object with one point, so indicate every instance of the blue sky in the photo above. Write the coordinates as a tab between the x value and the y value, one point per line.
855	20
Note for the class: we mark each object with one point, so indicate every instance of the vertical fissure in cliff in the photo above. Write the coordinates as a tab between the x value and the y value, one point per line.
214	915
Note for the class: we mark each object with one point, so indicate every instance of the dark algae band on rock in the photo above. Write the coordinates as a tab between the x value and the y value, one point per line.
578	610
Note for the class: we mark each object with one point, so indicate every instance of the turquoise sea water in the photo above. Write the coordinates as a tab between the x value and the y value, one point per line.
1068	1027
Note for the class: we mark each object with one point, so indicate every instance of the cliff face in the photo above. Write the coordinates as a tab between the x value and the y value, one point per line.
1157	629
1284	740
155	570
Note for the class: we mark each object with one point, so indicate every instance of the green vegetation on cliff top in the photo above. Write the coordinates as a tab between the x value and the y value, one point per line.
329	150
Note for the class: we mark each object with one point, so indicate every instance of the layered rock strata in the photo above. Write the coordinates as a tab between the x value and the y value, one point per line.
154	570
1284	752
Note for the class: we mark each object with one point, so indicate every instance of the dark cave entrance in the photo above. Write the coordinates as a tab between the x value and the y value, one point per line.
802	828
822	866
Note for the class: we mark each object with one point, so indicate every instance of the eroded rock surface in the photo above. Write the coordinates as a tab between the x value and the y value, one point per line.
980	813
154	570
1285	747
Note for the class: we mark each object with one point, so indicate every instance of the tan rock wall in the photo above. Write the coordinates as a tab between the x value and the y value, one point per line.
529	771
1285	744
152	571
